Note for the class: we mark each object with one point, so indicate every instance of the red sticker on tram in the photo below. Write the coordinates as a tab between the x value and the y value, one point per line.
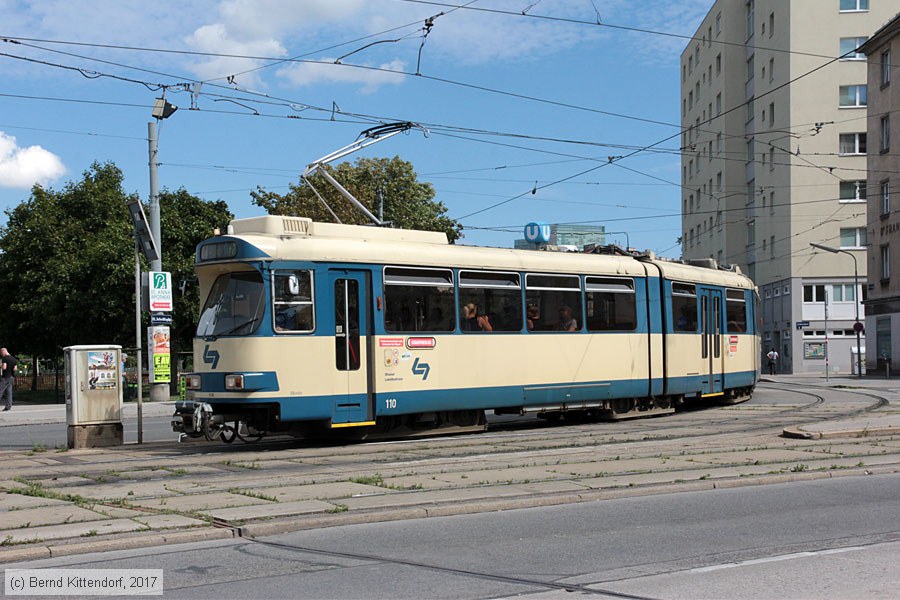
733	340
391	342
421	343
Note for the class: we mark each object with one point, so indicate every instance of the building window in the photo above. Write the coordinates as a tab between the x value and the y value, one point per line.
853	237
843	293
718	24
718	104
750	150
718	143
885	262
750	110
771	113
690	99
718	64
719	181
772	159
771	203
849	48
814	293
885	133
750	6
751	69
853	191
885	68
787	290
854	5
853	96
852	143
885	197
771	23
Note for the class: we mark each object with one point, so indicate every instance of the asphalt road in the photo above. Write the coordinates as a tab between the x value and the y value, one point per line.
55	435
836	538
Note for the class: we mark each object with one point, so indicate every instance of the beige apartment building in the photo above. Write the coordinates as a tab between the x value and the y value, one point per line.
774	106
883	302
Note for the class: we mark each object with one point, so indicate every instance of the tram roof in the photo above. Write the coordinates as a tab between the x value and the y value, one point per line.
299	238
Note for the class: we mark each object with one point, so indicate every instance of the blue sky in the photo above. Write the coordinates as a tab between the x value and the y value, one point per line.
514	103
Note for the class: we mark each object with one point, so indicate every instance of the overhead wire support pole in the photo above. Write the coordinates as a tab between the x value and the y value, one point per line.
365	139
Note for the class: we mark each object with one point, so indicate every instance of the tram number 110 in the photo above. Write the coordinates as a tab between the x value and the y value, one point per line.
390	403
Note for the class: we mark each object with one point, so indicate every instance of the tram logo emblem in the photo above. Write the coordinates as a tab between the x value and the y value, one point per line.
419	368
211	357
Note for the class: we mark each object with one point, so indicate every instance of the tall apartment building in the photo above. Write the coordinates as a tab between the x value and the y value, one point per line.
774	159
883	302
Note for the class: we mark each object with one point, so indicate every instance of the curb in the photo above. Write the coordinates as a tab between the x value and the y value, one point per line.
63	548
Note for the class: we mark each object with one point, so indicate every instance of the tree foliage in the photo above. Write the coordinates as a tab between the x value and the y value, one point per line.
408	202
68	263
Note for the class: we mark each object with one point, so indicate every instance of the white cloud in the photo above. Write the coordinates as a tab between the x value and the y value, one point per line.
23	167
308	74
259	28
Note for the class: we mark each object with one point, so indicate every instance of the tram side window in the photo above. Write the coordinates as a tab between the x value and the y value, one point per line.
494	296
418	300
235	305
684	306
736	310
292	298
553	302
610	304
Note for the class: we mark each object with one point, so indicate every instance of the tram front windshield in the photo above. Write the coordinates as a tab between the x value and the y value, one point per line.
234	306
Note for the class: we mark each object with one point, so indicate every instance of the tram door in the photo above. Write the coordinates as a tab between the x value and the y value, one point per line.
711	319
352	324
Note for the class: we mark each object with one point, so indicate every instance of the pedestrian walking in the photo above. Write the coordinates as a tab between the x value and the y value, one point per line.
773	361
7	377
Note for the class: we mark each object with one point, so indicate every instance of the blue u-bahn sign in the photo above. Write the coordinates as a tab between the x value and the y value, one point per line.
537	233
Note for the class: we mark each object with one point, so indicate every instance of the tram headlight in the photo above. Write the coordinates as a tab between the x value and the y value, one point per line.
192	382
234	382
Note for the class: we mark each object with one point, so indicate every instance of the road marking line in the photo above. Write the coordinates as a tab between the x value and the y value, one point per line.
770	559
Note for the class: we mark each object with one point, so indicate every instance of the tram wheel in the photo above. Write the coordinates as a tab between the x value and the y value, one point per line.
621	406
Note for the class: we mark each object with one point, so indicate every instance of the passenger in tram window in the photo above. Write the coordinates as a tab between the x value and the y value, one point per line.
566	321
533	315
472	321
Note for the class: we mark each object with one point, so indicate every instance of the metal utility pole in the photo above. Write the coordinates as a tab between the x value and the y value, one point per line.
857	326
156	265
137	331
159	392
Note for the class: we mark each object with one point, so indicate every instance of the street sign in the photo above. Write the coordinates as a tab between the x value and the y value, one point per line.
802	324
160	291
160	319
858	327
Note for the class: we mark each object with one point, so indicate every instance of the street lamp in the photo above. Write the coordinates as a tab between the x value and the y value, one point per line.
857	327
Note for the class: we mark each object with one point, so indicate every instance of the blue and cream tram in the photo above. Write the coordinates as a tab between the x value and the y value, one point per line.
311	326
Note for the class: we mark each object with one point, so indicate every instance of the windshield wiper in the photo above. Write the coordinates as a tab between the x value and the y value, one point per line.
232	330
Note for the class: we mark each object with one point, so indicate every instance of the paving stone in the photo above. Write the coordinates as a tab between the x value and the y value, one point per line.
169	521
320	491
192	502
14	502
271	509
48	515
70	530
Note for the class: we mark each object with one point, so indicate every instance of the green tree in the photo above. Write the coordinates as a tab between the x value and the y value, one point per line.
68	263
408	202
